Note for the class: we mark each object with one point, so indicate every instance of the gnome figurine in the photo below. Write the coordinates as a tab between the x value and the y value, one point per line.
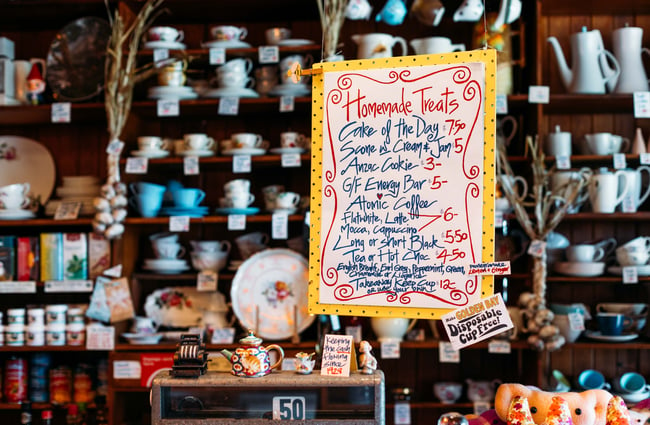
35	86
367	361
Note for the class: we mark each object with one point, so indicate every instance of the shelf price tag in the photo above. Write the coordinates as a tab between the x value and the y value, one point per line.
538	94
390	348
290	160
191	165
223	336
179	223
61	112
51	286
207	280
576	321
536	248
115	147
355	332
502	104
499	347
236	222
100	337
136	165
288	408
241	164
228	106
642	104
619	161
67	211
402	413
447	354
115	271
287	103
280	225
160	55
14	287
498	219
168	108
480	407
644	158
126	369
630	274
268	54
629	203
217	55
563	162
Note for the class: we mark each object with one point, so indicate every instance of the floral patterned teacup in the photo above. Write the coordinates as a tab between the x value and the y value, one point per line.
14	196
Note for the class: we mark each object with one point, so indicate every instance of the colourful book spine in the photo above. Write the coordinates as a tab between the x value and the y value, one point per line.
51	256
75	256
28	259
7	258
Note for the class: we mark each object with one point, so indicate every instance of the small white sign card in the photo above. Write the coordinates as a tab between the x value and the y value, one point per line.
337	351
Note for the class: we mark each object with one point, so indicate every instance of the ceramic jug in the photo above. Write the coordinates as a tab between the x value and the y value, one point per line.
634	179
434	45
605	190
586	51
251	360
392	13
428	12
391	327
627	50
377	45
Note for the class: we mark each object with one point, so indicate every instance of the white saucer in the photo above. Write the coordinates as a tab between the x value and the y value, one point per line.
230	92
166	270
280	151
165	262
226	44
290	90
159	153
295	42
579	269
284	210
633	398
643	270
143	338
171	45
16	214
244	151
171	92
627	336
197	152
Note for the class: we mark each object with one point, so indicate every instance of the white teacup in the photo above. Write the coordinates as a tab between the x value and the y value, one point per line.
391	327
271	194
605	144
238	200
162	33
237	186
246	140
143	325
625	257
234	80
641	243
14	196
208	260
251	243
228	33
287	200
237	65
585	253
292	139
434	45
169	250
198	141
151	143
211	246
276	35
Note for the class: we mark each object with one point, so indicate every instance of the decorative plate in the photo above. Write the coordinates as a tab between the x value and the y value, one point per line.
272	282
182	306
26	160
75	62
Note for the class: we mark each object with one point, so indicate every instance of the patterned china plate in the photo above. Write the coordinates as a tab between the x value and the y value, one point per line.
274	281
26	160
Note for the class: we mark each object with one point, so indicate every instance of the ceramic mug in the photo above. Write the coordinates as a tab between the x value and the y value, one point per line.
188	197
605	191
434	45
591	379
448	392
630	382
147	204
271	194
287	200
143	325
635	179
377	45
291	139
170	250
238	200
605	144
585	253
147	188
391	327
14	196
611	324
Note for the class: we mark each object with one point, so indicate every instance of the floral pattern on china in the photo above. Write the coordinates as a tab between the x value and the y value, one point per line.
277	292
7	152
182	307
252	360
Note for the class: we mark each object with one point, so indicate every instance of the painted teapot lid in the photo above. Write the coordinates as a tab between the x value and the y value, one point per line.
251	339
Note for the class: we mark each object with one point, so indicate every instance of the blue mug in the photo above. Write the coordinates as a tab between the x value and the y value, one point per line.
147	204
591	379
188	197
611	324
148	188
631	382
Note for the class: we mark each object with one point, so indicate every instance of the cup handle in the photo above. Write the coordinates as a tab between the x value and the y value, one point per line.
460	47
251	198
279	350
258	140
645	195
181	252
132	188
133	203
250	83
210	145
513	132
524	186
181	36
626	186
625	146
200	198
608	245
225	246
296	200
599	255
402	43
249	65
265	239
243	34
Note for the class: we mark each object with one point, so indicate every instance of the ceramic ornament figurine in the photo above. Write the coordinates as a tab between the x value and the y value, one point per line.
35	86
392	13
367	362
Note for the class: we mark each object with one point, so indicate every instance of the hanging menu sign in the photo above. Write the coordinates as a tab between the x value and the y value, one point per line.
405	185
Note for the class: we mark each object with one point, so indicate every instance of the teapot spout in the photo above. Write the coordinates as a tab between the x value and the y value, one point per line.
227	354
565	72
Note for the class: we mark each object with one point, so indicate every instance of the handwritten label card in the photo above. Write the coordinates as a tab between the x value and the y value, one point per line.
474	323
641	104
60	112
402	186
337	350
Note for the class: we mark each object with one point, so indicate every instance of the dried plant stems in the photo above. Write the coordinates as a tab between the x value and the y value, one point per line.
332	16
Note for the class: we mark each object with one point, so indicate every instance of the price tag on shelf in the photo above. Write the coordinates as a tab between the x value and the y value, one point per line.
576	321
115	271
67	211
287	103
179	223
628	205
136	165
115	147
644	158
390	348
100	337
290	160
61	112
498	219
536	248
563	162
228	106
502	104
160	54
126	369
630	274
619	161
268	54
481	407
447	354
499	347
402	413
14	287
51	286
207	280
642	104
288	364
289	408
217	55
223	336
191	165
168	108
236	222
538	94
241	164
355	332
280	225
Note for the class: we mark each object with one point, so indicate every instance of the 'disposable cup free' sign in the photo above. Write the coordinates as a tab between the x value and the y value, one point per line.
402	184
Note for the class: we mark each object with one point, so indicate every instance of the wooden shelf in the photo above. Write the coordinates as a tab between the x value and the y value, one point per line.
42	114
595	7
590	280
589	103
45	348
171	346
616	216
200	56
225	161
209	107
585	343
39	406
210	219
47	222
435	405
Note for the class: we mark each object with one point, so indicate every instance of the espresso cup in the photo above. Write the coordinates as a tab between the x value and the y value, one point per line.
151	143
251	243
271	194
228	33
143	325
188	197
246	140
162	33
198	141
274	36
592	380
584	253
611	324
171	78
287	200
14	196
291	139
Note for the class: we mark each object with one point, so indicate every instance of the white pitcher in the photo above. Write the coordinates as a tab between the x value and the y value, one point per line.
635	179
627	50
604	193
434	45
377	45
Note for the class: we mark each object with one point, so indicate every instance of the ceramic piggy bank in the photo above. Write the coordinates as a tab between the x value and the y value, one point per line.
251	360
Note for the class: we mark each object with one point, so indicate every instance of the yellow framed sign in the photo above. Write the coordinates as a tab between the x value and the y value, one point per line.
402	196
